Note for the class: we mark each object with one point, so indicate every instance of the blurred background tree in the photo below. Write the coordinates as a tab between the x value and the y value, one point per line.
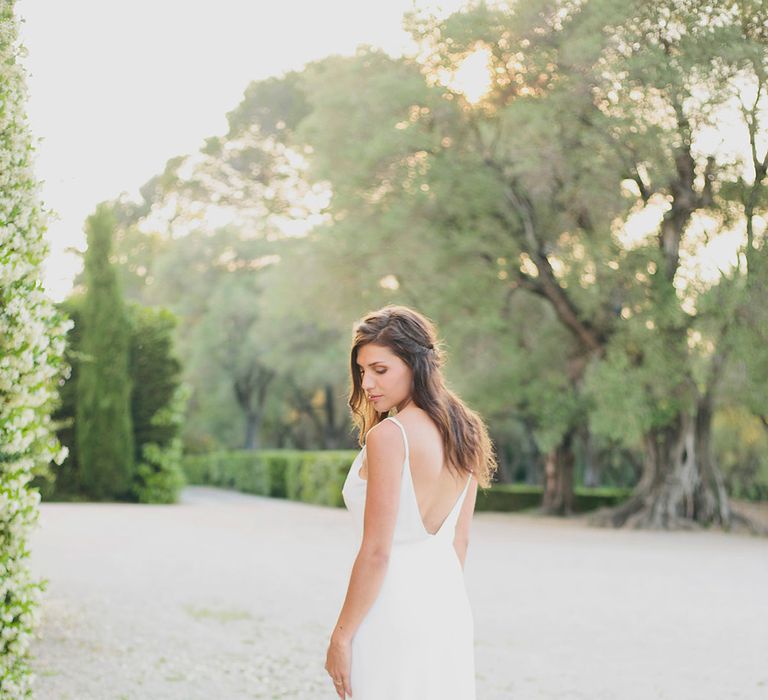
103	425
125	348
561	224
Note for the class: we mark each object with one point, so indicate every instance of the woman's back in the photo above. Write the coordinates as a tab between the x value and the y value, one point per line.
437	487
411	524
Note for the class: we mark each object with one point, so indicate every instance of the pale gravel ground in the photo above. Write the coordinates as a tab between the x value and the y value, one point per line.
230	596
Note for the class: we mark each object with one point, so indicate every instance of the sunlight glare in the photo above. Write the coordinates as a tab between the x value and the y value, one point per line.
472	78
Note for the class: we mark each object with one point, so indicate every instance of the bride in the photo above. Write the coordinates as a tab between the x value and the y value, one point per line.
405	630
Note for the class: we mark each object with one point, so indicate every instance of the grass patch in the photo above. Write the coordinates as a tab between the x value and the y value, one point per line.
220	615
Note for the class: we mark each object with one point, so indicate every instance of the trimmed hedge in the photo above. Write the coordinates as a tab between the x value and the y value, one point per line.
317	477
512	497
312	477
508	497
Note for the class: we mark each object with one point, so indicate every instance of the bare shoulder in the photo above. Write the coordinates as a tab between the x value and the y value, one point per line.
381	439
416	418
385	427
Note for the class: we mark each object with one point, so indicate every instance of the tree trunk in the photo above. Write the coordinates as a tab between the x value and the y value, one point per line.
504	474
252	430
251	394
680	487
711	496
330	432
558	478
533	470
591	465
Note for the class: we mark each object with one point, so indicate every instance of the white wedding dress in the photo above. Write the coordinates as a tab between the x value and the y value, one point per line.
417	640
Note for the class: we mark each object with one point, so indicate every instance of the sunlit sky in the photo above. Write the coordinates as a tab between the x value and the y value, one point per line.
118	88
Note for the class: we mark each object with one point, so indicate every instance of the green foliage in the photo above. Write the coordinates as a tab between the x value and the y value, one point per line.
312	477
742	452
321	477
32	336
508	498
246	470
158	403
63	481
512	220
274	105
154	373
514	497
318	477
639	385
229	348
159	476
254	349
103	425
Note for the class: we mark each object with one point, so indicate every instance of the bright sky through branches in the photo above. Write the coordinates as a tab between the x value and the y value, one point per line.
473	76
116	88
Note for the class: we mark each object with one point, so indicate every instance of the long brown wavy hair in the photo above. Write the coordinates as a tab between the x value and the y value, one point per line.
412	337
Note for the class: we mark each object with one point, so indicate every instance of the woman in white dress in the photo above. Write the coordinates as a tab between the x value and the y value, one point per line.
405	630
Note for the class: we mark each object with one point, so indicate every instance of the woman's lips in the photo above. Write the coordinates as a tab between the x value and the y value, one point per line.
375	398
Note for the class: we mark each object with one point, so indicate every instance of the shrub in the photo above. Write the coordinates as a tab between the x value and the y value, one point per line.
31	350
157	405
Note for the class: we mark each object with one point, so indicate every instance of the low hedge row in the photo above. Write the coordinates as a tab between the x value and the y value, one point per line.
511	497
317	477
299	475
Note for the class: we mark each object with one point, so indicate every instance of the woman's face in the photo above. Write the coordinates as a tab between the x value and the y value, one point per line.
385	378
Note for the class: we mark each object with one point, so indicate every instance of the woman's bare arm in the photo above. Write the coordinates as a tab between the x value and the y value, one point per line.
385	455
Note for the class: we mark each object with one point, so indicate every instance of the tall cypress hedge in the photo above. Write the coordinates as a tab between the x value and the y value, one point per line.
103	426
158	401
32	335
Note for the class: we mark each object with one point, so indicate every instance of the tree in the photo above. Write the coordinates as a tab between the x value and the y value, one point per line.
157	407
528	199
158	400
229	337
247	313
103	426
416	182
351	260
608	98
594	114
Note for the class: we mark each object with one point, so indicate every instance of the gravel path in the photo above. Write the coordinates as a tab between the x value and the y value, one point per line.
233	596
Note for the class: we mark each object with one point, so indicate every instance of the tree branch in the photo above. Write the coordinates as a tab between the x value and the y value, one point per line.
547	284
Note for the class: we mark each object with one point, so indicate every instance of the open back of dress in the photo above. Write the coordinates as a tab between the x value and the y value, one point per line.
417	640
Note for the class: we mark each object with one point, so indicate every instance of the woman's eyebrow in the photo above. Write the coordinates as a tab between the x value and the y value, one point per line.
370	364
